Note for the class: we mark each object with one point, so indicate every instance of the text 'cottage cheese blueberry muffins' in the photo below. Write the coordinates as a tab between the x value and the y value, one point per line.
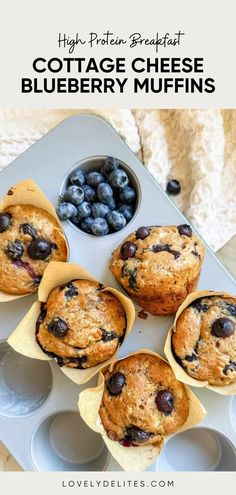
201	345
159	266
138	402
30	237
76	321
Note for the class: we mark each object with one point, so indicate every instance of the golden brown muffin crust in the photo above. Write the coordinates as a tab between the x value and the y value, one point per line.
164	269
204	355
135	406
22	275
95	324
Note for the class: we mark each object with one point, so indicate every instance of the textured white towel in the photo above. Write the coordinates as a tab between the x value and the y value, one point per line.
197	147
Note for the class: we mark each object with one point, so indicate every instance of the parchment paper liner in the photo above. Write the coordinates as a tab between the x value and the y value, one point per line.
131	458
23	338
179	372
27	192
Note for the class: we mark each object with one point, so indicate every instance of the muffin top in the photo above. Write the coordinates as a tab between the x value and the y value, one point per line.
29	239
81	324
142	401
204	342
152	255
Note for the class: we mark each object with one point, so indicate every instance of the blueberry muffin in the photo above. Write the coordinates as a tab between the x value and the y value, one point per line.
142	401
81	324
29	239
159	266
204	340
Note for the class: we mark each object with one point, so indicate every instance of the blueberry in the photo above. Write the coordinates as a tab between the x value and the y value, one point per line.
58	327
39	249
86	225
128	195
223	327
5	222
15	250
196	254
199	306
111	203
41	317
118	179
128	250
191	357
104	192
131	274
71	291
110	165
142	233
95	178
37	280
76	218
28	229
185	229
100	227
100	210
78	361
66	211
158	248
127	212
135	434
116	383
89	194
74	195
231	367
231	308
83	210
77	177
108	335
173	187
116	220
165	401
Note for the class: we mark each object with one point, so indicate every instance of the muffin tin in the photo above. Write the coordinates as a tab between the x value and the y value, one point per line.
39	419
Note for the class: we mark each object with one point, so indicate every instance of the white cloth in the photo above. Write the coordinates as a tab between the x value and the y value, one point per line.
197	147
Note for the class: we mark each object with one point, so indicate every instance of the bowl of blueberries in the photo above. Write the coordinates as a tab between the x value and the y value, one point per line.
100	196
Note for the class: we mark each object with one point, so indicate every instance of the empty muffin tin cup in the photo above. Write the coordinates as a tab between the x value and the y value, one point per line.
25	384
28	193
178	370
133	458
23	337
93	163
63	442
202	449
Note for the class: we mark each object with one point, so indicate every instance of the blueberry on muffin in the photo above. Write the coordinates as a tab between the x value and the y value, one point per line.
81	324
159	266
29	239
204	340
142	401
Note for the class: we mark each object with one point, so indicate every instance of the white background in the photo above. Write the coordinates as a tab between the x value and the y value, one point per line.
30	29
52	483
